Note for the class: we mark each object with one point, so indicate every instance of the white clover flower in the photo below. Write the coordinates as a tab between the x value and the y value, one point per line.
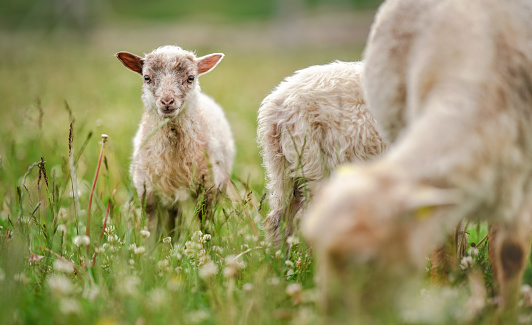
289	264
109	229
62	228
62	266
62	214
158	297
208	270
273	281
278	254
139	250
145	233
112	238
247	287
69	306
81	240
197	316
164	265
206	237
128	285
105	246
91	292
132	247
293	289
131	261
466	262
60	285
473	251
292	240
167	240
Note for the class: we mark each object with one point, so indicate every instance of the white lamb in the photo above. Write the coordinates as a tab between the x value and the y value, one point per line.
312	122
184	141
450	83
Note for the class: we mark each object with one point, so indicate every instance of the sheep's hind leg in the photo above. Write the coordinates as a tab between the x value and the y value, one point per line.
509	246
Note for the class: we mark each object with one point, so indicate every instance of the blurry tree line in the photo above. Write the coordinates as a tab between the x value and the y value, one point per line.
83	15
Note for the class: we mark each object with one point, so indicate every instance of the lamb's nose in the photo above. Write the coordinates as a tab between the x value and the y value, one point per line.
167	102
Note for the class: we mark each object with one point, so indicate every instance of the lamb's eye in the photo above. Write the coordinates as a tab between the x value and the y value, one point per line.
190	79
147	78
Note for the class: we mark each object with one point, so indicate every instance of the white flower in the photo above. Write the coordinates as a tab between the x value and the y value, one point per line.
167	240
158	297
466	262
208	270
69	306
62	266
247	287
273	281
145	233
289	264
112	238
197	316
293	289
60	285
206	237
132	247
62	214
81	240
139	250
128	286
292	240
62	228
233	265
278	254
131	261
473	251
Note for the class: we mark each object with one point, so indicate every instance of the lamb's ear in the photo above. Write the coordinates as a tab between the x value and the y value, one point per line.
131	61
208	62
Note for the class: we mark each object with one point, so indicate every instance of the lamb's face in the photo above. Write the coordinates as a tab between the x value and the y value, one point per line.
170	77
372	217
169	80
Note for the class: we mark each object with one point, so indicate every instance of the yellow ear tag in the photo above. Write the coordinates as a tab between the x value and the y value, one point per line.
423	213
345	170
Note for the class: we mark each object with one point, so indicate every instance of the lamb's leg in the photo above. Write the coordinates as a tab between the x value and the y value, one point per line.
175	214
509	246
282	209
151	212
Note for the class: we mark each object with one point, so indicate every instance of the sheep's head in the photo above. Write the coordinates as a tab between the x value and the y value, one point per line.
375	216
170	76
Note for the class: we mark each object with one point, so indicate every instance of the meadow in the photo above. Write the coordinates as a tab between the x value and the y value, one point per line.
60	92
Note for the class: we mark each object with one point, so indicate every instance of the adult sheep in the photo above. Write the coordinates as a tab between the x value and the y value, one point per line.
450	83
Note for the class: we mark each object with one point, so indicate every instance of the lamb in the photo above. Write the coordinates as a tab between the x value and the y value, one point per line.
313	121
184	141
450	84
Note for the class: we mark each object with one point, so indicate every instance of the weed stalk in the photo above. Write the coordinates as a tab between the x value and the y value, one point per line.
88	232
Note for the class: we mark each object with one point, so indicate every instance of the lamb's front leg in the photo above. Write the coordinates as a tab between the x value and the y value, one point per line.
175	215
150	204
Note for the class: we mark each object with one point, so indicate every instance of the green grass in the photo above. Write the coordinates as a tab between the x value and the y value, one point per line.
45	278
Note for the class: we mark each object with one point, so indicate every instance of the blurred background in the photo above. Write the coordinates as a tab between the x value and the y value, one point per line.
58	66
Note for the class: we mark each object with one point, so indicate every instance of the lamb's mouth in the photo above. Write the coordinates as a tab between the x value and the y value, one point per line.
168	111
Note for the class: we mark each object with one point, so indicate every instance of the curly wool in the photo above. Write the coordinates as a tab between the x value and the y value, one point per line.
313	121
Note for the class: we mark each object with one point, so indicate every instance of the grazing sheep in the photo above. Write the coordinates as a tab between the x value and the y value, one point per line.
312	122
184	140
450	83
